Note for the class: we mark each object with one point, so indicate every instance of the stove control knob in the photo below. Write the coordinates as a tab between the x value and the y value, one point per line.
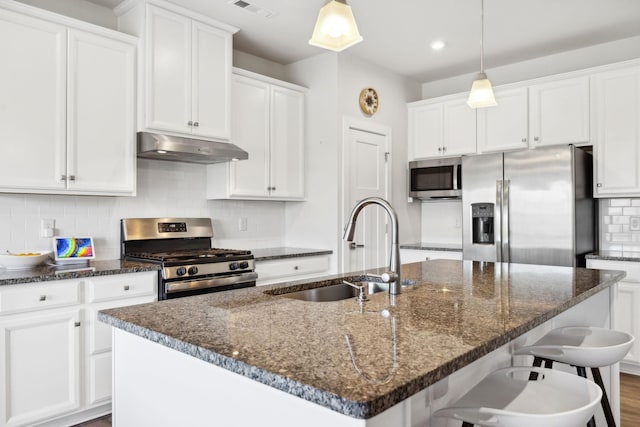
181	271
244	264
233	265
193	270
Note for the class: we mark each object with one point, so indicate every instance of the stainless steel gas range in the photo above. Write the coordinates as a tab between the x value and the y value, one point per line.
182	247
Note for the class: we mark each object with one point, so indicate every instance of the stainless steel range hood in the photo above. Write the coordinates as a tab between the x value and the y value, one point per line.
188	150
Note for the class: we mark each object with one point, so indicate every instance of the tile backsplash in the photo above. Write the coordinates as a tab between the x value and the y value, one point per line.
620	224
164	189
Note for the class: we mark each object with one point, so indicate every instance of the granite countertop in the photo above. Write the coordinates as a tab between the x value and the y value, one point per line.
615	256
456	312
454	247
47	272
265	254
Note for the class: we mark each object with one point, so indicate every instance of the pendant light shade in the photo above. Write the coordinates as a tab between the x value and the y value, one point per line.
481	94
336	27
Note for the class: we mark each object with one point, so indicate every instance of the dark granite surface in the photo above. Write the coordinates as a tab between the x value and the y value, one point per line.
265	254
615	256
46	272
456	312
454	247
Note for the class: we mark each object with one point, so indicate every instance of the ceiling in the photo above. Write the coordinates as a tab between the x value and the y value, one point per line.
397	33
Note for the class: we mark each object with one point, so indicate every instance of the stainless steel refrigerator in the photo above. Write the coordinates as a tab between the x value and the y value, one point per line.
530	207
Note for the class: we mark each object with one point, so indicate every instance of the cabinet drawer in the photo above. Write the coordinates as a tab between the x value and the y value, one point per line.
121	286
291	267
19	298
631	268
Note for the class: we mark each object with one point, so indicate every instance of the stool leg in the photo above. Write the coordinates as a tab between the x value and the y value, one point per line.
548	363
582	372
605	401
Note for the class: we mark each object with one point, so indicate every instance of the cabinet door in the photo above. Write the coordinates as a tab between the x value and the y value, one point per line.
459	128
627	315
250	131
615	132
211	74
504	127
32	103
287	143
39	358
101	111
559	112
425	131
168	71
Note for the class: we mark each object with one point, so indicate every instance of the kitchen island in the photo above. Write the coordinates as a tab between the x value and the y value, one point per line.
257	357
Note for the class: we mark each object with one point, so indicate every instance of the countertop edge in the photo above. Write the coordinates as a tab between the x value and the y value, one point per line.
268	254
614	256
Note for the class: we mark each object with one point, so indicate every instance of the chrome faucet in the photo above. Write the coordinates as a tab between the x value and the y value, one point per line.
393	277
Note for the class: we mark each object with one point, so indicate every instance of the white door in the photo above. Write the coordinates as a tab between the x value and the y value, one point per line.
366	176
505	126
250	131
32	103
101	111
39	361
559	112
615	132
168	71
211	73
287	142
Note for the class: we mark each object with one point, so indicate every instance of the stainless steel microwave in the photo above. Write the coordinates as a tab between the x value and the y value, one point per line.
438	179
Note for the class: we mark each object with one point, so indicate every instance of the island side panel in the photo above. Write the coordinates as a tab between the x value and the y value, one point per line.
154	385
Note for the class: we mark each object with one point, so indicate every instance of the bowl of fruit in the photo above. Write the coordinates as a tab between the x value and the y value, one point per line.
17	260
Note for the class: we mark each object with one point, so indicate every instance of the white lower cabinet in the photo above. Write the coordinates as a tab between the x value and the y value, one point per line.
627	307
289	269
55	356
408	256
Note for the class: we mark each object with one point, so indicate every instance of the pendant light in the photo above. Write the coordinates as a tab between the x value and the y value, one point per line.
336	27
481	94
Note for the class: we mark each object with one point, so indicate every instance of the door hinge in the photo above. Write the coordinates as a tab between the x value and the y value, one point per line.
386	156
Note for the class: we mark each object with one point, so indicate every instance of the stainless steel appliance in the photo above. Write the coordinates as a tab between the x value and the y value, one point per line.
187	150
182	247
531	207
436	179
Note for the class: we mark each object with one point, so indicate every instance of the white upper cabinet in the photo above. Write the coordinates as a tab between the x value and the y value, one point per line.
505	126
67	111
615	131
267	122
441	128
559	112
187	69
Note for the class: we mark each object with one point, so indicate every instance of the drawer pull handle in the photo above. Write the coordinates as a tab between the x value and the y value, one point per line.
295	268
77	324
43	297
126	287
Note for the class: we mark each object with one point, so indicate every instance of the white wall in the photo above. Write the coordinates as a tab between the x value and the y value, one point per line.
314	223
601	54
164	189
249	62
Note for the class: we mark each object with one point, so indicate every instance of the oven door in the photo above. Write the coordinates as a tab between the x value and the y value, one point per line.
182	288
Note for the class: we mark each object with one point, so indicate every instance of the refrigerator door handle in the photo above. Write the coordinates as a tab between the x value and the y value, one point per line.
505	221
497	228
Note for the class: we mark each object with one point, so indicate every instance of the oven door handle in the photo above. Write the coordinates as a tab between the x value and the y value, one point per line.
211	282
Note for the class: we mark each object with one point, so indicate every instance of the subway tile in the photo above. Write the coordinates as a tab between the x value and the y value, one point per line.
619	219
614	228
614	211
631	211
635	202
620	237
619	202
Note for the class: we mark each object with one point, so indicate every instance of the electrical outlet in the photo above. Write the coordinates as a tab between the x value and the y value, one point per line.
47	227
634	223
242	223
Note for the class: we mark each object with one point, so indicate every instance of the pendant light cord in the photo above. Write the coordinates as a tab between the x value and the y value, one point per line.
481	36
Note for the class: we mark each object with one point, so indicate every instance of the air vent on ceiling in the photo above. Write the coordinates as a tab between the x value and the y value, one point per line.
252	8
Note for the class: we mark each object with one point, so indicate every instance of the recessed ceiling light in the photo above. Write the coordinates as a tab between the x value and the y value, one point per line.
437	45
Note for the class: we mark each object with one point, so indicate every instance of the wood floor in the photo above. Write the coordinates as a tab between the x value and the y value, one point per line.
629	405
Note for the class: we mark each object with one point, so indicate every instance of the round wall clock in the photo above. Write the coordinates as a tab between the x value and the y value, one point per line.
369	101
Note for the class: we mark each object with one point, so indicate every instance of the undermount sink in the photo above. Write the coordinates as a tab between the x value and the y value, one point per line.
337	292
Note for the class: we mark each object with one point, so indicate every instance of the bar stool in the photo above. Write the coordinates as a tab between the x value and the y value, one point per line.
512	397
582	347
